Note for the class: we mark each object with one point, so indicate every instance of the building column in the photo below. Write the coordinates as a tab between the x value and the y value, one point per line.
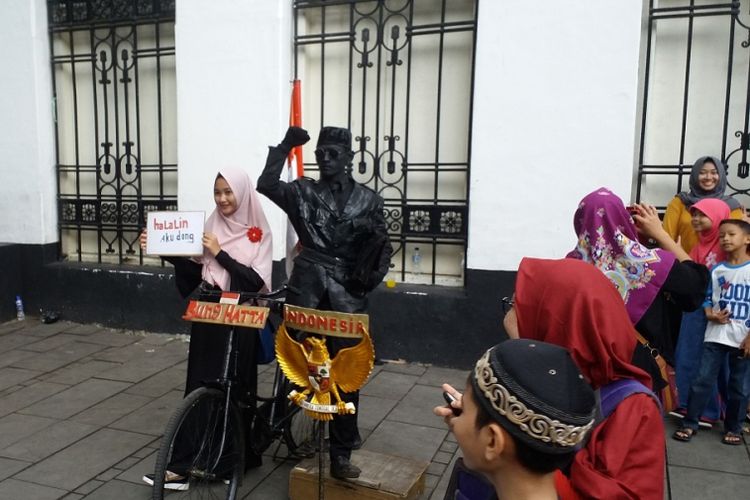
233	89
27	143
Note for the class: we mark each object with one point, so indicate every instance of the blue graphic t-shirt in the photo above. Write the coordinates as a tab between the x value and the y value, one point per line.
729	288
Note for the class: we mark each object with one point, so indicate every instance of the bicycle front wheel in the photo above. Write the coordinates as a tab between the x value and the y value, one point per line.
299	429
204	443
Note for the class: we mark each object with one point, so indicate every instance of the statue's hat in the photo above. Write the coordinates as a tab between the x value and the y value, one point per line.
335	136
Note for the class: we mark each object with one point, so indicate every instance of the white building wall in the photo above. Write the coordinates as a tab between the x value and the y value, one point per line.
233	92
555	106
555	111
28	187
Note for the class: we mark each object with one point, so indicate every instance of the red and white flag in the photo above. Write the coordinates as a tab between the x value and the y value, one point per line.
294	172
229	298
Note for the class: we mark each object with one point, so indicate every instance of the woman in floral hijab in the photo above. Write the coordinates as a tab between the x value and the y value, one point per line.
655	284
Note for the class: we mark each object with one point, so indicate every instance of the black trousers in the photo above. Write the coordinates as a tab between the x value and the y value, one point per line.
343	430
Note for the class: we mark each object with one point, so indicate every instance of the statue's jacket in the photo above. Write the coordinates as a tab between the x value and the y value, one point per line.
348	246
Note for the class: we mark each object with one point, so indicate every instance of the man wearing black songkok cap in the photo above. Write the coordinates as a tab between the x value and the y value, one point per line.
345	249
525	413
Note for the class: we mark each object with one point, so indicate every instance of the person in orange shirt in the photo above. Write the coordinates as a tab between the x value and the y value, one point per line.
708	179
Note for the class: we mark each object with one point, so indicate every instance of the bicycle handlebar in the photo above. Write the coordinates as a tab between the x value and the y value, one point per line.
272	296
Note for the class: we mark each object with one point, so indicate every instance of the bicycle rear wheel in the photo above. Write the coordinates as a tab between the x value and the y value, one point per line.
204	443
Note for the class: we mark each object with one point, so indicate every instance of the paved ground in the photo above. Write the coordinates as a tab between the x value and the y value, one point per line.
82	409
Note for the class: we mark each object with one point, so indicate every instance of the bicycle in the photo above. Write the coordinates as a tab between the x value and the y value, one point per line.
209	423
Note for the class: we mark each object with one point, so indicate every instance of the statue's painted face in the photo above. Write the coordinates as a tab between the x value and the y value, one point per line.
332	160
319	376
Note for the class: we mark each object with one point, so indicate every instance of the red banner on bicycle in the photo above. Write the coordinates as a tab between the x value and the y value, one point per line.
226	314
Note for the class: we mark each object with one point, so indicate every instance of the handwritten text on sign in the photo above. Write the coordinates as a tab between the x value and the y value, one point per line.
175	233
332	323
226	314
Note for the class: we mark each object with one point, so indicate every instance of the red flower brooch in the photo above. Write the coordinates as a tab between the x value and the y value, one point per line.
254	234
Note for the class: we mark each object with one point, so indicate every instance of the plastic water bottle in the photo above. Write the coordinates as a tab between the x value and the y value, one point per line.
416	260
390	280
19	309
461	265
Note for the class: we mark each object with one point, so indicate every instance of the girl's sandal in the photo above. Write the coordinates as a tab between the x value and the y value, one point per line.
732	439
684	434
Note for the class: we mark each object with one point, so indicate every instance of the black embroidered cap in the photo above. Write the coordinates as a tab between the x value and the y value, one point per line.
535	391
335	136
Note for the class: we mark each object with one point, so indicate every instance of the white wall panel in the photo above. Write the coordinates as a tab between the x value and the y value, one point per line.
233	92
555	104
28	189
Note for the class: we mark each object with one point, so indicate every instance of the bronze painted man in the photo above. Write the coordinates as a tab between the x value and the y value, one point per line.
345	251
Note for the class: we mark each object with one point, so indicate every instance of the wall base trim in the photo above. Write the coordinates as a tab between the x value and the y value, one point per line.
446	326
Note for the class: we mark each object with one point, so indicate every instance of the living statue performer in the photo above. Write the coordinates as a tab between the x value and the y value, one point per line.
345	251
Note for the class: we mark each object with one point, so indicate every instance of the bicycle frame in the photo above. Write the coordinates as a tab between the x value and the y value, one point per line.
277	401
219	444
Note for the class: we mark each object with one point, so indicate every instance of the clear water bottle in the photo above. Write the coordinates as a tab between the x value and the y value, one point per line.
416	260
19	309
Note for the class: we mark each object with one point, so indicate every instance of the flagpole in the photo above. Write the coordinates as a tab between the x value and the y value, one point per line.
295	120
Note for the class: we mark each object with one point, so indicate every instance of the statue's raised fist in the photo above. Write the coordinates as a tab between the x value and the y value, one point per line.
295	136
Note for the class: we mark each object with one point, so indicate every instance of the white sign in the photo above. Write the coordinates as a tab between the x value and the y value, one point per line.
175	233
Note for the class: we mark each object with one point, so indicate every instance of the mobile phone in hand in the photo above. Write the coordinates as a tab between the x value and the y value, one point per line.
450	399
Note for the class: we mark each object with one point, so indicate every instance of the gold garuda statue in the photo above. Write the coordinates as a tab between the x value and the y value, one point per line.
308	364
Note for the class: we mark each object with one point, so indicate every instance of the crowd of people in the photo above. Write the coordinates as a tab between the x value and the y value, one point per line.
671	336
642	317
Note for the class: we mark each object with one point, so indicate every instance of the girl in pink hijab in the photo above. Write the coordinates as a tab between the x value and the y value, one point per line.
237	256
706	215
236	236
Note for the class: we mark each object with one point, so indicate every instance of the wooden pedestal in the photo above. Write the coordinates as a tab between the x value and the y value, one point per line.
383	477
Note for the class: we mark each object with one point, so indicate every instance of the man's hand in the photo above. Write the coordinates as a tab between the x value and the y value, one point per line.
295	136
722	317
444	411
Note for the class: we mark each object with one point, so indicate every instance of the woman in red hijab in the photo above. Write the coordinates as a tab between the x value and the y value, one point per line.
572	304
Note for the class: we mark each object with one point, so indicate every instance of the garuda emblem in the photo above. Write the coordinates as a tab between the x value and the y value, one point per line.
309	365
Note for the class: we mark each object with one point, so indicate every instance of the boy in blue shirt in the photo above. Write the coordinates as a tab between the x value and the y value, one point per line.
727	309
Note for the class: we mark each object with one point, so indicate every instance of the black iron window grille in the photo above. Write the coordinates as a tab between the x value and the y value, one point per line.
400	75
696	95
115	122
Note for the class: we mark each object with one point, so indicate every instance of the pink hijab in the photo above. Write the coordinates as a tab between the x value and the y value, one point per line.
233	233
708	251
